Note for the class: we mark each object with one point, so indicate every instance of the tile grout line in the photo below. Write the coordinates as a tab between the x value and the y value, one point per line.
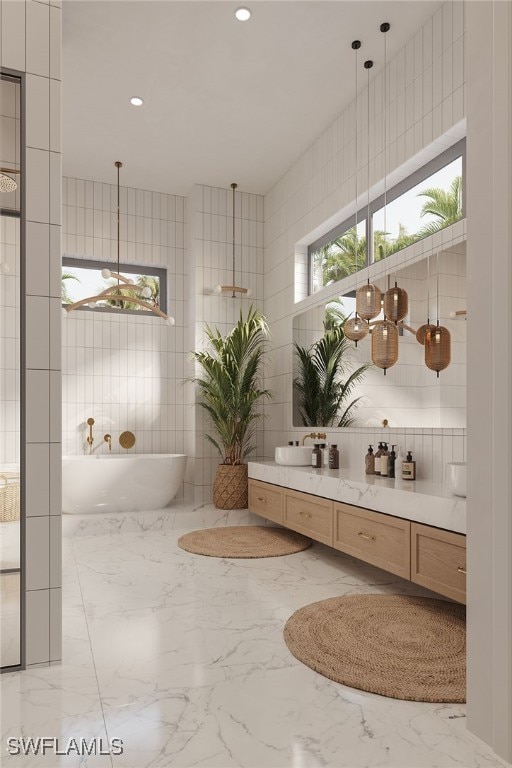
92	651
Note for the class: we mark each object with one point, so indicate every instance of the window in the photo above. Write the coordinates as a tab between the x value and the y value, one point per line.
82	278
425	202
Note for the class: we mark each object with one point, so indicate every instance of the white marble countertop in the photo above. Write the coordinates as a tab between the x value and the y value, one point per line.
415	500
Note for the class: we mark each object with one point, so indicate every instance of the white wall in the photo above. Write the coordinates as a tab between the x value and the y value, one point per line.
209	260
124	370
489	202
425	115
31	44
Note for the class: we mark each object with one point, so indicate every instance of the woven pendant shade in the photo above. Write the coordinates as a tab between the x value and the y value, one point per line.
422	332
368	301
396	303
437	348
355	329
384	344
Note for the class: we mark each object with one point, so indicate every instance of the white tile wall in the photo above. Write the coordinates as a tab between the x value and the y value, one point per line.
125	371
30	43
424	115
209	262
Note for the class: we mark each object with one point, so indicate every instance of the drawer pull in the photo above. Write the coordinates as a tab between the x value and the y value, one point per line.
305	514
461	569
261	498
366	536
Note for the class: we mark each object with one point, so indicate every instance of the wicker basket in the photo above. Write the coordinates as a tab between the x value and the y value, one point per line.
230	486
9	497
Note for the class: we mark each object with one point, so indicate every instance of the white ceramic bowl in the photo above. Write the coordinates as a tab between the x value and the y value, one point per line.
293	455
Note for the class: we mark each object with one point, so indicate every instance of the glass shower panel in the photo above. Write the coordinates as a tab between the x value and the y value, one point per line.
10	309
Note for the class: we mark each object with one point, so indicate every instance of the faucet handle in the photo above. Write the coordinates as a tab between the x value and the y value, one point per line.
90	421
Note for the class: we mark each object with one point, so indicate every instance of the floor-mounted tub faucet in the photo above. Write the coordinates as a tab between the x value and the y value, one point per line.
90	438
108	439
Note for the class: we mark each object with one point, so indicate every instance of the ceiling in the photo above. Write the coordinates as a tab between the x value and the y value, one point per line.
223	100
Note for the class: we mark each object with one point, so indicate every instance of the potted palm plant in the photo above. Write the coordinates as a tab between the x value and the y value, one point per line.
320	385
229	391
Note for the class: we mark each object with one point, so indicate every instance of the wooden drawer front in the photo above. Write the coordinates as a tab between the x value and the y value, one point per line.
309	515
266	500
438	561
378	539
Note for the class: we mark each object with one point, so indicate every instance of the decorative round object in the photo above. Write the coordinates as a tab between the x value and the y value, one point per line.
437	348
384	344
411	648
7	184
368	301
230	486
244	541
355	329
396	303
127	440
422	332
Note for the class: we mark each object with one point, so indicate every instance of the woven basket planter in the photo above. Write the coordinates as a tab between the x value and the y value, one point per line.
230	486
9	499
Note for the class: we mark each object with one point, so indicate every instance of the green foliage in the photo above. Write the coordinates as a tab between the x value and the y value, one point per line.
347	254
321	390
143	281
229	387
66	299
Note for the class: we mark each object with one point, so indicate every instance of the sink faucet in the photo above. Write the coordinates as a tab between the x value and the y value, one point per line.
108	439
314	436
90	438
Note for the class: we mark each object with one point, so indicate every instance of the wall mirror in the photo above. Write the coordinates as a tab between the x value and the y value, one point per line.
10	316
410	394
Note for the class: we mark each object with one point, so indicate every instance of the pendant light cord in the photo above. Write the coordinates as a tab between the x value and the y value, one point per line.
368	65
356	46
118	165
233	187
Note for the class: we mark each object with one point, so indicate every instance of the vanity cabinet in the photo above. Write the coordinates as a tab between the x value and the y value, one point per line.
266	500
431	557
438	560
310	515
378	539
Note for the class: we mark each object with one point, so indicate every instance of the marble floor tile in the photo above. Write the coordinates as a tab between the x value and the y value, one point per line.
182	657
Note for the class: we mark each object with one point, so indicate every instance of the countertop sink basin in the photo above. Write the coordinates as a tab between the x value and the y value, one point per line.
456	477
293	455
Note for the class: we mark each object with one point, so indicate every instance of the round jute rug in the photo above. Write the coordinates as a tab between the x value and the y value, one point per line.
395	645
244	541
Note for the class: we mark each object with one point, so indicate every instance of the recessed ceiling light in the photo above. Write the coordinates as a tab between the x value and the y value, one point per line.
243	14
136	101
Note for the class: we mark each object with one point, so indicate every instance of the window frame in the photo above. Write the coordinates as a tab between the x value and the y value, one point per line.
402	187
132	269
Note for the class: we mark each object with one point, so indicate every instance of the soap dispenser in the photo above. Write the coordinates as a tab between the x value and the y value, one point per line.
392	462
377	459
316	457
384	461
409	468
369	461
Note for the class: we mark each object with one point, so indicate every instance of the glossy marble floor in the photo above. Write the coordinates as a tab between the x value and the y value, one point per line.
182	657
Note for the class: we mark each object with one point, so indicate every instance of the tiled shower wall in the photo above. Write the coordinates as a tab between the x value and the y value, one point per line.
124	370
31	45
209	262
425	114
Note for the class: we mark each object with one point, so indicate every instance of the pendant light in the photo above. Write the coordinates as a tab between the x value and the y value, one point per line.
135	294
396	300
356	328
233	289
384	344
422	330
437	341
369	296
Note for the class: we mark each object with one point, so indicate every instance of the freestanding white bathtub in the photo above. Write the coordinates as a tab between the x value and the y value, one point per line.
120	482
